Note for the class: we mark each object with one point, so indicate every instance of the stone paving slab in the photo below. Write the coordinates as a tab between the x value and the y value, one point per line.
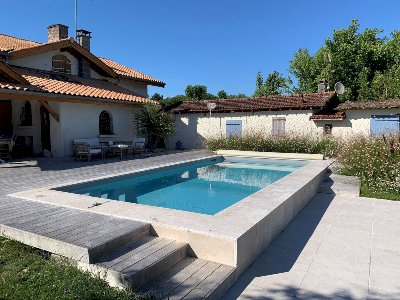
339	247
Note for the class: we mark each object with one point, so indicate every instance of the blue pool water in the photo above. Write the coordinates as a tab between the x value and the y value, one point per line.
204	187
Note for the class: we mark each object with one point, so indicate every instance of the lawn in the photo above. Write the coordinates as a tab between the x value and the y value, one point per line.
28	273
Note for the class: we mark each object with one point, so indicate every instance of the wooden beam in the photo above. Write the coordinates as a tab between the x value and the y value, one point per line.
50	110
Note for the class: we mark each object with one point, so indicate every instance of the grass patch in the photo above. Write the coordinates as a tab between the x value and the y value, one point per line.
369	193
29	273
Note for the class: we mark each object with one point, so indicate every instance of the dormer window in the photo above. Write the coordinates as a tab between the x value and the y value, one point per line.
61	64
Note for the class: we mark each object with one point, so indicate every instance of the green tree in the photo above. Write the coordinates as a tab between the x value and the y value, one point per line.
357	59
222	95
154	123
196	92
275	84
157	97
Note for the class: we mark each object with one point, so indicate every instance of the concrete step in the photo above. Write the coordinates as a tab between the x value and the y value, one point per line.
340	185
135	264
192	278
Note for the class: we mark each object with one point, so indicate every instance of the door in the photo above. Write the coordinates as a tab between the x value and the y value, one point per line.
45	128
384	124
6	126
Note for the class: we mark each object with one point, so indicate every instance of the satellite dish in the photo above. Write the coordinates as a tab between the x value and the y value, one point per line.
339	88
211	106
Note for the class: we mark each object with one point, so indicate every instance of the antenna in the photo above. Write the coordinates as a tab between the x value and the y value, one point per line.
339	88
211	106
76	18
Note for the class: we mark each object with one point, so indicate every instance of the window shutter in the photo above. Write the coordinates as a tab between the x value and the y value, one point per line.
233	128
384	124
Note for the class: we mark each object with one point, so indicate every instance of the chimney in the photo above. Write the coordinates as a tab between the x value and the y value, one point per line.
57	32
322	86
83	38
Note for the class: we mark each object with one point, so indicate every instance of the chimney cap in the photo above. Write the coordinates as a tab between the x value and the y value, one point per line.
83	32
57	25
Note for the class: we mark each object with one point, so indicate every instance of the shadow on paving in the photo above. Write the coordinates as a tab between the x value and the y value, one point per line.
281	256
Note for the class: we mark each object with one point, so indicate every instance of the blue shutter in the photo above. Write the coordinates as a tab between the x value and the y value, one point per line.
233	128
384	124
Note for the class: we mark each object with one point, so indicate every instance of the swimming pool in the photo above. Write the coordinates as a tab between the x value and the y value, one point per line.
205	187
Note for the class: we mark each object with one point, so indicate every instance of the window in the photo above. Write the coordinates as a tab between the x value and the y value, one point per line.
61	64
233	128
26	114
278	125
105	123
384	124
328	129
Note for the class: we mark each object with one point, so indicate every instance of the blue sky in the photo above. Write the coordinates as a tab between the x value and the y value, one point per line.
219	43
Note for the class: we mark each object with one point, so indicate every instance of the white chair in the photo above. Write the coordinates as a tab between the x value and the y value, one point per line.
138	146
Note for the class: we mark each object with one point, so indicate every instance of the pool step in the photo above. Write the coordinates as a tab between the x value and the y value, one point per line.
162	267
192	278
135	264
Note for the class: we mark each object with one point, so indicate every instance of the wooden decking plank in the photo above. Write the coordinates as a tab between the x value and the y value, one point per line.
139	254
77	232
28	222
27	214
193	281
210	283
94	231
120	257
172	282
100	238
153	258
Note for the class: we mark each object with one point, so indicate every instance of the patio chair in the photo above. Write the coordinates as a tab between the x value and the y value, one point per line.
7	143
87	148
138	146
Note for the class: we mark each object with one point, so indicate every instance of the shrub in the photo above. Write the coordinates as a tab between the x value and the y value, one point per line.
376	160
269	143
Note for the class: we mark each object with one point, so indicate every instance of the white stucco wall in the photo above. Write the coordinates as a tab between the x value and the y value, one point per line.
194	129
82	121
33	131
43	61
356	122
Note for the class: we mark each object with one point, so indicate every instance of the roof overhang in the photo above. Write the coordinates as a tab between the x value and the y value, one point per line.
10	75
149	82
6	94
67	45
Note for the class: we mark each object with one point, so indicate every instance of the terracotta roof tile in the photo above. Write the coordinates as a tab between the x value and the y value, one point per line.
336	116
51	82
392	103
9	43
128	72
276	102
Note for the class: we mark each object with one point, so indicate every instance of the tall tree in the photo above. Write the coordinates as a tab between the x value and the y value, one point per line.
222	95
275	84
196	92
359	60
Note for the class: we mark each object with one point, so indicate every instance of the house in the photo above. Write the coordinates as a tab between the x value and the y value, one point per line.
52	93
319	114
277	114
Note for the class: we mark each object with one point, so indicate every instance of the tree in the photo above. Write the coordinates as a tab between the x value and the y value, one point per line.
275	84
357	59
154	123
222	95
196	92
157	97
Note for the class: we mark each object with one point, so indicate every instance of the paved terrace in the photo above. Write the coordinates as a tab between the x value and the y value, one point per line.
339	246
